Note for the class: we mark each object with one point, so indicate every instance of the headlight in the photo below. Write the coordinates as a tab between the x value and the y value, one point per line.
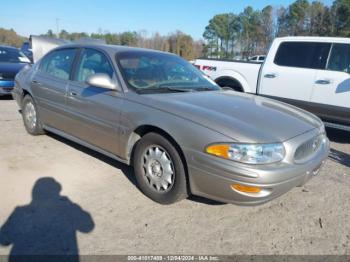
249	153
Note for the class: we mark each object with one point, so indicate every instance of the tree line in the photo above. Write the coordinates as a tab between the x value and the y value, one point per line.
252	31
229	35
11	38
177	42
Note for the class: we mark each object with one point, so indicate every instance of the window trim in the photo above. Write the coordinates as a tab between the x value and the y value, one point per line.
329	57
55	50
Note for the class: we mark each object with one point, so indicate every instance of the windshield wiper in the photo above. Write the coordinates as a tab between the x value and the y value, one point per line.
204	88
164	89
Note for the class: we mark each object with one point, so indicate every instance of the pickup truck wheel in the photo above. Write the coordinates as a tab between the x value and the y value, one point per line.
30	117
159	171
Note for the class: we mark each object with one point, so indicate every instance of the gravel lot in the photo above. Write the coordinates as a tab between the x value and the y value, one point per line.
111	216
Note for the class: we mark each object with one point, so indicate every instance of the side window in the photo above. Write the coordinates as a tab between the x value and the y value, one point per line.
339	59
58	63
303	54
92	62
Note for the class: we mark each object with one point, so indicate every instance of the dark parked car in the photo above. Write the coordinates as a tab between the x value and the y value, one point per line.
12	61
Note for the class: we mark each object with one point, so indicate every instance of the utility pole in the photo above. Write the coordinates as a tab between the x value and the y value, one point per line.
57	27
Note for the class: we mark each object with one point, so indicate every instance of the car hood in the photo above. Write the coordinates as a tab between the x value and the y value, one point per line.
242	117
11	67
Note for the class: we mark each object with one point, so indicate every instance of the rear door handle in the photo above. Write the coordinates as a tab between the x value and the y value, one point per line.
272	75
72	94
35	82
323	82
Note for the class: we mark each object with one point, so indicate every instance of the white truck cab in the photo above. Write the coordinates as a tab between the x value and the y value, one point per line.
310	72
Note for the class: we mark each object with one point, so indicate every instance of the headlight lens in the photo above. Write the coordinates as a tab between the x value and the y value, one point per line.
249	153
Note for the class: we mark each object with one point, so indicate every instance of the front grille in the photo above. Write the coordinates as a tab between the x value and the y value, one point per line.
307	149
7	76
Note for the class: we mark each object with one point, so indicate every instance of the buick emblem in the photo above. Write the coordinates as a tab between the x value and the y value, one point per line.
315	145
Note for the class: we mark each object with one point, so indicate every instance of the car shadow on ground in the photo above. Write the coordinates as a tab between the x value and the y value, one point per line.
45	229
339	157
127	170
342	137
338	136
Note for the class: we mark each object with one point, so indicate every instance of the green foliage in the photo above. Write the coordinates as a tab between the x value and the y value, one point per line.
252	31
341	11
177	42
10	37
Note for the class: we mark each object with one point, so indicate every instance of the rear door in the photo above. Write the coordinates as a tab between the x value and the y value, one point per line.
291	73
331	95
49	86
94	112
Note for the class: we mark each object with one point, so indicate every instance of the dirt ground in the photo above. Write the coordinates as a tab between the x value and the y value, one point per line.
57	191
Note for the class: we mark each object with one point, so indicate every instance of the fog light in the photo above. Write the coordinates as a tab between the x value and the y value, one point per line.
246	189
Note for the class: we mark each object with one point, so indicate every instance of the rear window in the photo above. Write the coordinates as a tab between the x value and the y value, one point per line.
339	59
12	55
58	63
303	54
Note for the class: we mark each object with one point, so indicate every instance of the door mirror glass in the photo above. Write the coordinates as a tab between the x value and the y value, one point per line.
102	80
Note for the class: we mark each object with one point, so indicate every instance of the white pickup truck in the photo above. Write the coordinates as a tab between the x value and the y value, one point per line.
310	72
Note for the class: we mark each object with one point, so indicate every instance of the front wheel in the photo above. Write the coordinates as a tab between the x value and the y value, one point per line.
30	117
159	170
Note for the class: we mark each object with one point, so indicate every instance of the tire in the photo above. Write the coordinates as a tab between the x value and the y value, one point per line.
30	117
159	170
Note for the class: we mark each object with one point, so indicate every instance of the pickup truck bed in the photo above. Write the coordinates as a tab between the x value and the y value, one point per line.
239	75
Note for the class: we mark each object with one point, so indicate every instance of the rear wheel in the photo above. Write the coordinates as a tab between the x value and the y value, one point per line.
159	170
30	116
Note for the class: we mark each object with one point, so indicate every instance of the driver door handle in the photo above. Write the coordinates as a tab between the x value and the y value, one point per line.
73	93
323	82
271	75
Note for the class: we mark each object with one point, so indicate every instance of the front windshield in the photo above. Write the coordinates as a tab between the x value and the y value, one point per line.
157	72
12	55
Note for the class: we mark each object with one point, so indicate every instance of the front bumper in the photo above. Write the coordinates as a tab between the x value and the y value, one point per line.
6	87
212	177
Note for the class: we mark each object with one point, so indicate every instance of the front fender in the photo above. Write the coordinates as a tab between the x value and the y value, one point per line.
184	132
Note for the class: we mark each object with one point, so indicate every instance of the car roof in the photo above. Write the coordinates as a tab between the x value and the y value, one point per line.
315	39
111	49
8	47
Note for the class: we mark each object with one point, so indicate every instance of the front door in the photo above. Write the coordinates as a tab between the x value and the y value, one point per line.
94	111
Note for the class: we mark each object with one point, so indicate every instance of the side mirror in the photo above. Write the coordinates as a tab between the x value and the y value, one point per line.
102	81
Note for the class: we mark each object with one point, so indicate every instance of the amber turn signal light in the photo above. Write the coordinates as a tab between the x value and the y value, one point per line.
246	189
220	150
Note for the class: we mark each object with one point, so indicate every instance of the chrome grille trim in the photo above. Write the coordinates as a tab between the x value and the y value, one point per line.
309	148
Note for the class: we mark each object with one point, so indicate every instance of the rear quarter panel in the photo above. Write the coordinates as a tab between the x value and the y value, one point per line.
246	73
